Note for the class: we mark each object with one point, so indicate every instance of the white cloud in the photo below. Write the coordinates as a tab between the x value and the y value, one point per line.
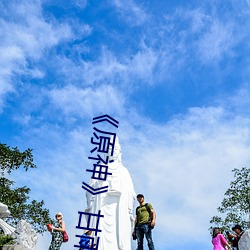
10	58
75	101
131	12
200	35
123	70
25	35
239	102
31	33
142	64
243	6
105	69
217	42
187	168
80	3
198	19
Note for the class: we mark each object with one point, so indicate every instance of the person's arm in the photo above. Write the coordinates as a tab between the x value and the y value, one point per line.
232	235
60	229
229	246
154	217
135	224
224	242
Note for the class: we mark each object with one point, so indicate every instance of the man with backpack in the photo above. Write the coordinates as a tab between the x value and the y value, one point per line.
85	240
144	223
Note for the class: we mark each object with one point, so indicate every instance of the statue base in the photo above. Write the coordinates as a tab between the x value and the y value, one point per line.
13	247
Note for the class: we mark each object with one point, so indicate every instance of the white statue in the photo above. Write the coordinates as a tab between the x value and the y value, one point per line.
244	242
4	212
116	205
25	235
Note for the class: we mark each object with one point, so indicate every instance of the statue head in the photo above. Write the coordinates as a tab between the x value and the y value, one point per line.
4	212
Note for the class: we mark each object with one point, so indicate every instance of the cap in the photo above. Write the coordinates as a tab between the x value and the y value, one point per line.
237	227
59	213
140	195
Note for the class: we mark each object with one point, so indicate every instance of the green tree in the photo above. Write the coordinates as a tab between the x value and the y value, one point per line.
235	207
17	199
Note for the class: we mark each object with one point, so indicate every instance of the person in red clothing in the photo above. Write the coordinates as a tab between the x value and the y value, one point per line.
218	240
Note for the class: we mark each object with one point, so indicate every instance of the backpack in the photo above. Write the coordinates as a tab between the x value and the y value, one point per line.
149	212
84	242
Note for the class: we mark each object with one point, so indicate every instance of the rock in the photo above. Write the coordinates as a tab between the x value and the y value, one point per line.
244	242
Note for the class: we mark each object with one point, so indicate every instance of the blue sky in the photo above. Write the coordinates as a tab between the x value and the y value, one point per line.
175	74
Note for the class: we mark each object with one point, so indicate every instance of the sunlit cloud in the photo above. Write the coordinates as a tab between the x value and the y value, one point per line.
74	101
81	3
131	12
26	40
188	163
216	42
139	66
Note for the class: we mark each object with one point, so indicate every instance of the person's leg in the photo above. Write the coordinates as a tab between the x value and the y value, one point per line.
148	234
140	231
58	244
52	244
50	247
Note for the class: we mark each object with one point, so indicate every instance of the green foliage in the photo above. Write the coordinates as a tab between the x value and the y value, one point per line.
17	199
11	159
235	206
6	240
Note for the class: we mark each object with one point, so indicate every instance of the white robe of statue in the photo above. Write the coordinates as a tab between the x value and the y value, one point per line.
116	205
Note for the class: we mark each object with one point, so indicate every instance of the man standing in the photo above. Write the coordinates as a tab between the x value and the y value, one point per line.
144	223
238	230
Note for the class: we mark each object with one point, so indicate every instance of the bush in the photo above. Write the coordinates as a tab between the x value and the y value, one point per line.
6	240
